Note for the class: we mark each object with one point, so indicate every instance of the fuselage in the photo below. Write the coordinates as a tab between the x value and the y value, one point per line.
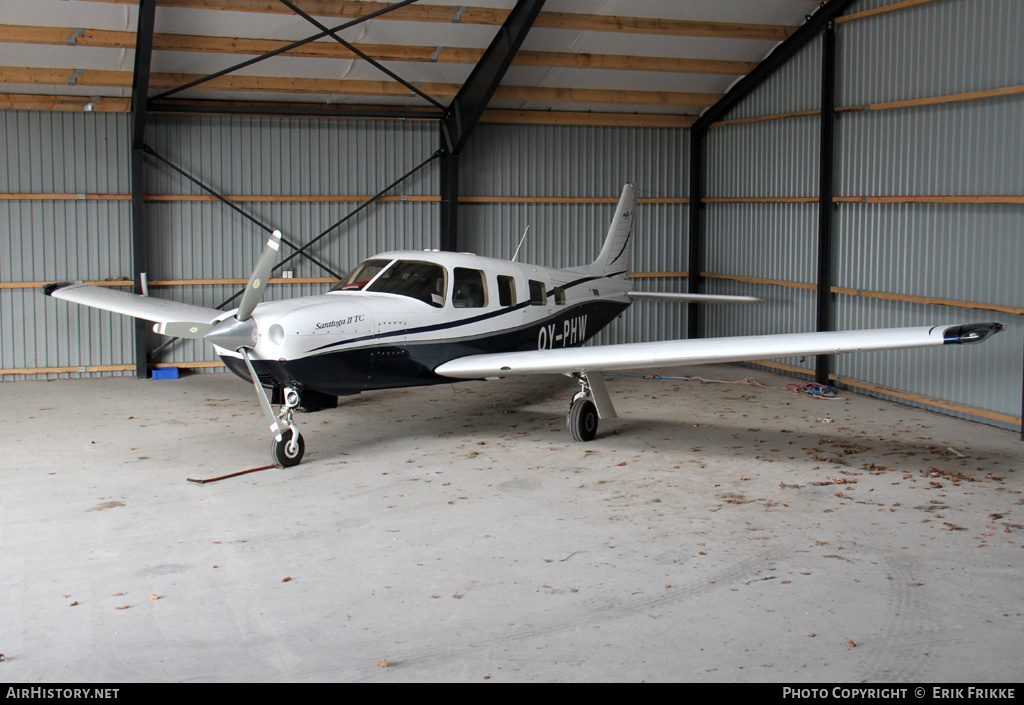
401	314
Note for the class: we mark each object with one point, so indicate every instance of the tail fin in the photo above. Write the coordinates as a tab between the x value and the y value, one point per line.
615	255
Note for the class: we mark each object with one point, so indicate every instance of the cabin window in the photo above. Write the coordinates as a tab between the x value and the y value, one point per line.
559	296
469	290
423	281
361	275
538	293
506	291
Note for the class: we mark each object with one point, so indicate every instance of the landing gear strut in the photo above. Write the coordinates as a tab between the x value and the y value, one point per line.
287	449
288	446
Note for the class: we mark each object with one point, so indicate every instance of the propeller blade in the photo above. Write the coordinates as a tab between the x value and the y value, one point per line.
183	329
260	275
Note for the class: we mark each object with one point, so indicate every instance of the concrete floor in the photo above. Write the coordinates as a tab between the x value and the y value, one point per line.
712	533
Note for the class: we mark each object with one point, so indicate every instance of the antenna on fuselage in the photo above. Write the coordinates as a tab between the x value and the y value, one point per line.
521	241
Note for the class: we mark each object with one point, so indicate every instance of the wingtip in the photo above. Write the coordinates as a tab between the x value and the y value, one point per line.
970	333
49	289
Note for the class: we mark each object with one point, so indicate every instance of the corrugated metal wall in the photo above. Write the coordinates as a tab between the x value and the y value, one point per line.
47	236
196	238
303	158
576	164
60	237
776	159
969	252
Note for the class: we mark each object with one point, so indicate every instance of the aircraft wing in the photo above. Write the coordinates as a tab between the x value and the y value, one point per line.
146	307
670	353
694	298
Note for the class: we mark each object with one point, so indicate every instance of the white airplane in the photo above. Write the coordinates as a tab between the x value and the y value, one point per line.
413	318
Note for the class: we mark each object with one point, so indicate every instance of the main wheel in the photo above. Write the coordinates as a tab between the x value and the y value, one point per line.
582	420
281	454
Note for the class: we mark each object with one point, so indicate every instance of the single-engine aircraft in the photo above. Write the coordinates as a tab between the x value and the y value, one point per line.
414	318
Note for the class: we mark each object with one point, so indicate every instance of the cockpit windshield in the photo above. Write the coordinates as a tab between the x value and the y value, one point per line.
361	275
423	281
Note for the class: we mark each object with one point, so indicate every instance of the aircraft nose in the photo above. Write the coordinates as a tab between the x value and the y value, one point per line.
343	319
289	332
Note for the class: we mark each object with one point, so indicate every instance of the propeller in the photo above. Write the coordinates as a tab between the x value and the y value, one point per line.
239	331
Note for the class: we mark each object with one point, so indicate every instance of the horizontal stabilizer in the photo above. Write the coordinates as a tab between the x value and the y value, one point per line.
669	353
128	304
694	298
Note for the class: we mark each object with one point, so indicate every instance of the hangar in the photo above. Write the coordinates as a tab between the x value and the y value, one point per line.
856	164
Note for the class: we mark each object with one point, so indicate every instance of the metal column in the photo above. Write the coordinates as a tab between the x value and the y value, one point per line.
695	246
449	200
462	116
806	33
140	239
826	206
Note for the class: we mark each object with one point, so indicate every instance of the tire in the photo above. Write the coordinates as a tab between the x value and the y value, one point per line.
582	420
279	450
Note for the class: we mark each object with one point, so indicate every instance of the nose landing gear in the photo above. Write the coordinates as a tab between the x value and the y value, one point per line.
288	447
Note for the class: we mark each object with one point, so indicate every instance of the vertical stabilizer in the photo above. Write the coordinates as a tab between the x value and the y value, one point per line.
614	258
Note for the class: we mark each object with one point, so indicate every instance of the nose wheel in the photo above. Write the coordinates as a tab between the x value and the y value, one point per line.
288	451
287	447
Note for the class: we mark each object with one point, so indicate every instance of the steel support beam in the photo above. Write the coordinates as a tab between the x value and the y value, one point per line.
449	200
465	110
803	36
695	246
806	33
140	238
355	50
826	204
281	50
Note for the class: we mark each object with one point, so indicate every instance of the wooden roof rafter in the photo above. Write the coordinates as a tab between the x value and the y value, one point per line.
116	39
332	86
655	70
493	16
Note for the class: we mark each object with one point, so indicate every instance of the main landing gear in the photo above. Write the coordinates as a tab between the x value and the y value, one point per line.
589	405
582	419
